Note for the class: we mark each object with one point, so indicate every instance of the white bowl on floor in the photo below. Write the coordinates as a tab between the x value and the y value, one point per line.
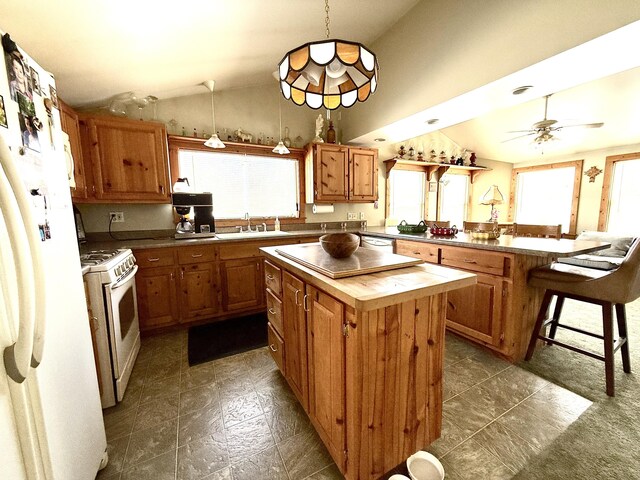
424	466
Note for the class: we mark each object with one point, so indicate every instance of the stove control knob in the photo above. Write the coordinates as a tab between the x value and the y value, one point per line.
118	271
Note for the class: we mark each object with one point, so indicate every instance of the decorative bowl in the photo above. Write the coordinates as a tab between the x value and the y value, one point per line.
340	245
404	227
443	231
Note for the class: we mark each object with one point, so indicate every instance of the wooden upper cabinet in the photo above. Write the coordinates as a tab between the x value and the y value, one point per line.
71	126
331	173
363	174
129	160
337	173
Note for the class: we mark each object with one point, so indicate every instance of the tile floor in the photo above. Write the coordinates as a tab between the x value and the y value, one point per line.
236	418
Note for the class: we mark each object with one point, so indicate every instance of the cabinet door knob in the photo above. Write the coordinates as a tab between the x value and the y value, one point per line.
295	298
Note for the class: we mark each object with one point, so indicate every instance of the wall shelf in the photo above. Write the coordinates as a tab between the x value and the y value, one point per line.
432	168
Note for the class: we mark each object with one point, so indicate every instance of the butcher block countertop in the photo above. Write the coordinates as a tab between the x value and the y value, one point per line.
382	289
539	247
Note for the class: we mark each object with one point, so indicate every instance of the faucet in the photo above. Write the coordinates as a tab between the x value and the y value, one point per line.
248	219
264	227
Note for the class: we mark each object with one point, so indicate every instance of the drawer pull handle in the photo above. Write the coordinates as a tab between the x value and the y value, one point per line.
269	276
271	311
273	349
152	259
466	260
295	298
416	253
196	255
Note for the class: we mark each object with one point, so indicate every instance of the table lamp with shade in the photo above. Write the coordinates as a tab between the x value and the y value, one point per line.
492	197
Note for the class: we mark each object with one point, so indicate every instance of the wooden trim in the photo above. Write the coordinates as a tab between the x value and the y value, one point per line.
603	215
577	182
177	143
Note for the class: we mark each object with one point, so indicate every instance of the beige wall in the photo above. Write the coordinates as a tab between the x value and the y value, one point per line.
590	193
441	49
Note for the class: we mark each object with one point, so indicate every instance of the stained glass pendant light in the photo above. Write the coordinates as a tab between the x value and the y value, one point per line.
214	141
328	73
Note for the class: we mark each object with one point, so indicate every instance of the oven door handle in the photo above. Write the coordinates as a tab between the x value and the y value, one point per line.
125	279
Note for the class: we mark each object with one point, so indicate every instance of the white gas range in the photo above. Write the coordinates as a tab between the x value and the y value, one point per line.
111	293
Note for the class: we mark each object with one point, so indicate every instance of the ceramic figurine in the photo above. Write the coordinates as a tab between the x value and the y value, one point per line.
243	136
402	151
443	157
472	159
319	127
432	156
411	152
420	157
286	140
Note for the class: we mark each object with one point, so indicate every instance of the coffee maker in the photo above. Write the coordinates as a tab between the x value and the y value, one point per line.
204	224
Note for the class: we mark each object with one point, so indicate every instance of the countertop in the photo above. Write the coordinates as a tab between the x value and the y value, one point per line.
378	290
170	241
540	247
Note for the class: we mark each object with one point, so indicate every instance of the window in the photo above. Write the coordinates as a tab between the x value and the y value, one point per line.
407	195
454	198
546	195
620	195
241	178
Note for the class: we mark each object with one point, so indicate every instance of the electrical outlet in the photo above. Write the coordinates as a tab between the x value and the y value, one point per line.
362	216
118	217
351	216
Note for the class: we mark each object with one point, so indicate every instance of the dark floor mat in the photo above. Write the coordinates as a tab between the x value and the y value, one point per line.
228	337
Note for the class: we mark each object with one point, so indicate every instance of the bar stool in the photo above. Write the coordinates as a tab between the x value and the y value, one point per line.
604	288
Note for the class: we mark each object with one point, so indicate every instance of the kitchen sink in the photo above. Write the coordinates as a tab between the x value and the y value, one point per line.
238	235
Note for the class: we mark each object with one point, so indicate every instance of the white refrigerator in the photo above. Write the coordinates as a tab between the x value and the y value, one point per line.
51	424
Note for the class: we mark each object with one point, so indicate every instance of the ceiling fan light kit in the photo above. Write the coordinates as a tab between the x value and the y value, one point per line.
328	73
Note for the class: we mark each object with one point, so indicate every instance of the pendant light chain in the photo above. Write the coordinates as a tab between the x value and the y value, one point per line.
326	20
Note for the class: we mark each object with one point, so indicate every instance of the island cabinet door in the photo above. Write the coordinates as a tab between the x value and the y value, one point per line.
294	324
198	292
476	311
325	317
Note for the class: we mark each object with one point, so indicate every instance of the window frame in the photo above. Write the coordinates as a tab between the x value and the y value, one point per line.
453	171
605	199
412	168
177	143
577	181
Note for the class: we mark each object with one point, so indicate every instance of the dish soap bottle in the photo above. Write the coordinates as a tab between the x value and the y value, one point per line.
277	225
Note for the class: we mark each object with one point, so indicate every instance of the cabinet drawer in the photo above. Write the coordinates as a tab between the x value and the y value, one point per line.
276	347
204	253
274	312
273	278
424	251
475	260
154	257
240	250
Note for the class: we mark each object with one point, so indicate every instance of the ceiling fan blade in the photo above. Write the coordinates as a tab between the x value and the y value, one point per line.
585	125
519	136
521	131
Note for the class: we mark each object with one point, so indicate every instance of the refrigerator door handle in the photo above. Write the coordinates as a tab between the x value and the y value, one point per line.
23	353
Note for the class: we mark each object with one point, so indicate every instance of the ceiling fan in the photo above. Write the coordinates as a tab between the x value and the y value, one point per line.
544	129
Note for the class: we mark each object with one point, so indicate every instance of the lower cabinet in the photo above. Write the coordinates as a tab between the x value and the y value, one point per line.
157	297
294	326
242	286
477	310
198	290
325	320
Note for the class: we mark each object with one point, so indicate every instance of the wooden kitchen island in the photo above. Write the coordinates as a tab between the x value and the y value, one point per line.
363	355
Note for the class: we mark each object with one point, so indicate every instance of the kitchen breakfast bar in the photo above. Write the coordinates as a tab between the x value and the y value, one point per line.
364	355
500	310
